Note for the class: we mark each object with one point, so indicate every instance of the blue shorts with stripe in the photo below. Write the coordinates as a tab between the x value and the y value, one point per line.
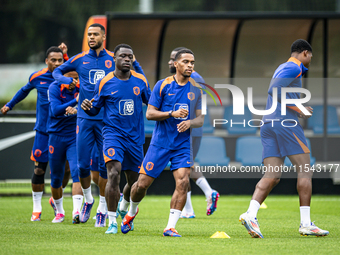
129	154
40	147
61	149
279	141
157	158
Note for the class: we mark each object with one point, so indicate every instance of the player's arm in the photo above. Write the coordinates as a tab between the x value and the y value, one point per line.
68	66
92	107
153	113
136	66
87	106
57	107
64	48
19	96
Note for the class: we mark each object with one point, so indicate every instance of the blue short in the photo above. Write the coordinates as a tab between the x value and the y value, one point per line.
196	142
157	158
89	134
279	141
61	149
130	155
40	147
94	159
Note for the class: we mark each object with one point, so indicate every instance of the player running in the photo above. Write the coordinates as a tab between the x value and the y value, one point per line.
62	145
121	93
172	104
280	142
40	81
196	137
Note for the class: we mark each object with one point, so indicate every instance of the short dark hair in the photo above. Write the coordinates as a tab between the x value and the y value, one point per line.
122	45
180	52
300	45
53	49
98	25
179	48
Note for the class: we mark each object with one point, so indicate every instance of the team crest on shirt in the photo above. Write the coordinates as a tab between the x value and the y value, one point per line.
136	91
149	166
191	96
37	153
51	149
111	152
108	63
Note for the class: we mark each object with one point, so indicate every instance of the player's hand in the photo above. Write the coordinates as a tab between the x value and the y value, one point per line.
5	109
63	47
180	113
183	126
70	110
77	98
73	83
86	105
303	116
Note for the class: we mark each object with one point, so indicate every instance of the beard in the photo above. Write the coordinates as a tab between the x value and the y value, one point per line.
172	69
97	46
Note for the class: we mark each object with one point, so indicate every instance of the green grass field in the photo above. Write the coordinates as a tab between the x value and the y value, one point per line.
279	225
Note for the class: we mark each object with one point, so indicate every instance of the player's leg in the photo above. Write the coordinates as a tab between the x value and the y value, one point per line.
77	192
39	155
102	180
85	142
66	175
57	158
94	165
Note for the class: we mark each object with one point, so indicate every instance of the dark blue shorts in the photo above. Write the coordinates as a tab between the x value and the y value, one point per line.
279	141
61	149
40	147
157	158
130	155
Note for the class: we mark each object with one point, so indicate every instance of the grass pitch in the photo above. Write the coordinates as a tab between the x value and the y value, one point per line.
279	225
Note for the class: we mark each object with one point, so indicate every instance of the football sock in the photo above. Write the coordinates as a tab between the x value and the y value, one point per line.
124	205
188	205
254	207
173	218
112	217
305	216
77	202
37	201
88	195
102	205
204	185
59	205
133	208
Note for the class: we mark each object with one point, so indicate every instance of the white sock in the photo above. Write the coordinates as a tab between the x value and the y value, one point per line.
112	217
133	208
102	205
305	216
254	207
59	205
77	202
124	205
204	185
37	201
88	195
188	206
173	218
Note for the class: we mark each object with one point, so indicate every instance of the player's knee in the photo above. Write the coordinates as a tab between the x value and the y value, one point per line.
182	184
39	173
56	182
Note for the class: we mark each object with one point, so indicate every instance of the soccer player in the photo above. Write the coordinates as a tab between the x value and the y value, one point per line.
121	93
40	81
172	103
280	142
62	145
196	137
92	66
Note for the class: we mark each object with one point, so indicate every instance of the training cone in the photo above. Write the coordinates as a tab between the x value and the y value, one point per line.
263	206
220	234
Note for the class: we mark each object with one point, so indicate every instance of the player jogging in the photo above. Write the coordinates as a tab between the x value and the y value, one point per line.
172	104
121	93
280	142
196	137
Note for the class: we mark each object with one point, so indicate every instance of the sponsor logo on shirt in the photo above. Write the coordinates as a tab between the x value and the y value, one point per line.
178	106
96	75
126	107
